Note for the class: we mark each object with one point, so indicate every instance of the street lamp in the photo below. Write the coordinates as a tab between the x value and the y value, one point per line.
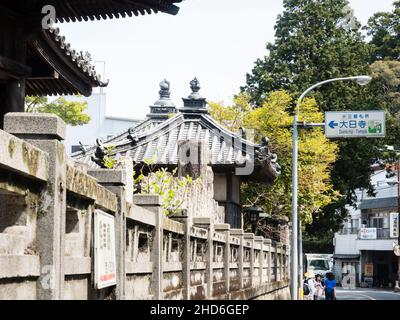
361	80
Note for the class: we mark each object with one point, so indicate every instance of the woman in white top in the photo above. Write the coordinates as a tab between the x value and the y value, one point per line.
318	287
311	285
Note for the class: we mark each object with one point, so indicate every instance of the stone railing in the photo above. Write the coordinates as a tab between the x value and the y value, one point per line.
191	258
47	204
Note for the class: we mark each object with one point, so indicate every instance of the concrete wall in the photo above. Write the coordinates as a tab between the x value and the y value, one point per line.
346	244
100	125
47	202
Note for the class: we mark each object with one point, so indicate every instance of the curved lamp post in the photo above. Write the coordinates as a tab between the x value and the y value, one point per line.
361	80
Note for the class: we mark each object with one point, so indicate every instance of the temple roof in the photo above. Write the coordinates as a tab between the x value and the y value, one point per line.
79	10
158	139
57	69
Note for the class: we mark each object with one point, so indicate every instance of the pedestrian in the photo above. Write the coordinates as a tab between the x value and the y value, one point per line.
319	287
310	285
330	286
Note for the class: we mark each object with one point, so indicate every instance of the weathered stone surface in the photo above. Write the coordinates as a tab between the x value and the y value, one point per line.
82	184
35	125
25	290
201	220
76	288
19	266
21	157
237	232
221	227
249	235
142	215
77	265
147	200
109	176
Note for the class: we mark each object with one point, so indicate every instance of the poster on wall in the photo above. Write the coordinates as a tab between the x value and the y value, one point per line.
369	269
368	234
394	225
105	269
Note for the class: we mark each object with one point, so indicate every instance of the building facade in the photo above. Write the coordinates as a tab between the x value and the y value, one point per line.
365	243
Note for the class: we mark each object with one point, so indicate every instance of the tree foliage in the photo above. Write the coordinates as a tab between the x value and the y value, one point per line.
317	40
316	154
72	112
386	95
314	41
384	29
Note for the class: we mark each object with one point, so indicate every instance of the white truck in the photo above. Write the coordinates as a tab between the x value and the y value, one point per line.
318	263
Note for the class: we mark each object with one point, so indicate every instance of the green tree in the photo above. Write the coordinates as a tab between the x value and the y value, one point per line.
72	112
317	154
385	90
317	40
384	29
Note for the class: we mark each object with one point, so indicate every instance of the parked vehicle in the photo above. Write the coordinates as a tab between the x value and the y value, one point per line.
318	263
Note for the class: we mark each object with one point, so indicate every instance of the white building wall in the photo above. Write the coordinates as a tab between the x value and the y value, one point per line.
346	244
100	125
375	245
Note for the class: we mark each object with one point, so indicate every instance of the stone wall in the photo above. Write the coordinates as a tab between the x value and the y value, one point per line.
47	202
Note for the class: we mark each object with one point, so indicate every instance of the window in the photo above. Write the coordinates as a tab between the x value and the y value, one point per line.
377	222
318	264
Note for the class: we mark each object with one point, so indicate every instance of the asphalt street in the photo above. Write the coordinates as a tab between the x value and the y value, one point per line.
366	294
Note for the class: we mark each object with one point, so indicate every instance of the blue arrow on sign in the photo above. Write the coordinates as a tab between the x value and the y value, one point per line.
333	124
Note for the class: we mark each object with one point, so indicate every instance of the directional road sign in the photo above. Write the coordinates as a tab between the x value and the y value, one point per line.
355	124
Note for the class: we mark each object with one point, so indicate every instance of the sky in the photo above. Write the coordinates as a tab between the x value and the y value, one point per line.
216	41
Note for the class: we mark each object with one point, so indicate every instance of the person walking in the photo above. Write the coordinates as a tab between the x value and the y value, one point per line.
310	284
319	287
330	286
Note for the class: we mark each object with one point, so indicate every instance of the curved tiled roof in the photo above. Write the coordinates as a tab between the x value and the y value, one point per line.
58	69
158	140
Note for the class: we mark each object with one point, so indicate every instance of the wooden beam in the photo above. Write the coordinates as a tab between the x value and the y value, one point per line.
14	68
53	76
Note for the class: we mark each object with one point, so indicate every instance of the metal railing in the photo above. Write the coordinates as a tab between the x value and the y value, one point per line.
381	233
346	231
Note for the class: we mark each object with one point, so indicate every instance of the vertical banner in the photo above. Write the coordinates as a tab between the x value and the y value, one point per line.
369	269
105	267
394	225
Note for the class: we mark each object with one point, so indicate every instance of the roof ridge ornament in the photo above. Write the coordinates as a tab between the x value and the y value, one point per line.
164	106
194	103
165	89
195	86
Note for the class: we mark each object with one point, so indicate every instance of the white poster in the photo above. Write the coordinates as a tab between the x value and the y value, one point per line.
105	269
368	233
394	225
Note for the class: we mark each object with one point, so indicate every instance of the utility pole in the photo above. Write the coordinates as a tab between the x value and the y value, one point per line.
398	216
361	80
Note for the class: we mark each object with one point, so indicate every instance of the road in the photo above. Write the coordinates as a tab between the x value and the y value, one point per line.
366	294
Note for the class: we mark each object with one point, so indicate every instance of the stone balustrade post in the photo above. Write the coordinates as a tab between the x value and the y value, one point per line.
46	132
239	233
259	240
224	228
250	236
205	222
153	204
116	180
186	255
267	243
279	249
